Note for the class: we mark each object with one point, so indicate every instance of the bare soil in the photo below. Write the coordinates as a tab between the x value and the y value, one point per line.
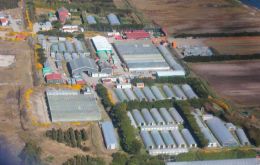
200	16
237	82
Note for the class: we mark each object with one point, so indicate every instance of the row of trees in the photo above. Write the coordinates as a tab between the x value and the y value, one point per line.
141	159
195	83
103	94
56	32
107	27
30	5
184	110
126	131
221	58
41	56
69	137
84	160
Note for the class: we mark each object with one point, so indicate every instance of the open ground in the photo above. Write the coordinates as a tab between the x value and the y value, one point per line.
200	16
237	82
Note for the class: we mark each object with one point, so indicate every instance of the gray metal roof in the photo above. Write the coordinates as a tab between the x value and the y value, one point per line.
156	115
168	139
109	133
147	66
130	94
113	20
68	107
176	116
67	56
242	137
188	137
138	92
224	137
74	55
138	117
54	48
62	47
91	19
169	58
147	139
69	46
248	161
189	91
121	95
105	67
79	46
166	115
157	139
149	95
179	93
168	91
157	93
79	65
178	138
147	116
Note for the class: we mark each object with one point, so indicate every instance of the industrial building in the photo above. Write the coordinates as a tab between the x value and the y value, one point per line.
79	65
71	106
101	45
136	34
109	135
246	161
54	78
140	55
224	137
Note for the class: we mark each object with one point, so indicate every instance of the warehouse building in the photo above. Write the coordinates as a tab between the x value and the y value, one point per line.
54	78
140	55
79	65
224	137
101	45
71	106
109	135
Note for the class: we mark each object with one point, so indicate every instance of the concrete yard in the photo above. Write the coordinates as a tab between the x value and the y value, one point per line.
237	82
200	16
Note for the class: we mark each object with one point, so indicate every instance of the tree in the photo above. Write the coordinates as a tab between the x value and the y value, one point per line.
119	158
54	134
60	135
135	146
84	134
30	155
56	24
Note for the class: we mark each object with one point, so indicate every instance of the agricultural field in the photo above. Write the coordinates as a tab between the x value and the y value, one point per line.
200	16
10	4
238	82
235	45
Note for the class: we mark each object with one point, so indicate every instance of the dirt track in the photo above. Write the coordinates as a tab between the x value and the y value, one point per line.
235	81
200	16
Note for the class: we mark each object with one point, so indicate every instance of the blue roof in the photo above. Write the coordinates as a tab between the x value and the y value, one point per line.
91	19
113	20
109	133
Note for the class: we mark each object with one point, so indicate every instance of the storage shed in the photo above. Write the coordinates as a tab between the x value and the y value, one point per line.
168	139
176	116
130	94
179	93
138	92
147	139
156	115
188	138
189	91
157	93
148	117
178	138
168	92
158	139
121	95
242	137
138	118
79	65
166	115
149	95
101	44
224	137
109	135
113	20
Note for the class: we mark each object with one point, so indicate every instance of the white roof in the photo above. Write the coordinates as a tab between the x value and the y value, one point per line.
101	43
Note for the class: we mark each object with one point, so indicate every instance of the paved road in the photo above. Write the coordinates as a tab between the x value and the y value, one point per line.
13	24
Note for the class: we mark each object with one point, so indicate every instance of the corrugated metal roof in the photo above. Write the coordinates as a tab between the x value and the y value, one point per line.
176	116
188	137
166	115
138	117
168	91
189	91
224	137
168	140
178	138
83	64
147	139
242	136
147	116
139	93
130	94
179	93
157	93
157	139
156	115
149	95
101	43
109	133
121	95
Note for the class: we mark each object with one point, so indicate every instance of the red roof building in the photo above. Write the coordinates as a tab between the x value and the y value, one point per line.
137	34
4	21
54	78
63	14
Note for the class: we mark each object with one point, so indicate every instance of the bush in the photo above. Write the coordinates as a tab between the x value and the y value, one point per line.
103	93
79	160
